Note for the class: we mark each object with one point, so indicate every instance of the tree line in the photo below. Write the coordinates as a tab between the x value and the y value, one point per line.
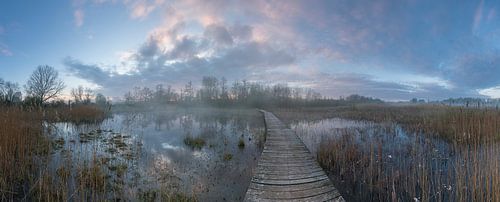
43	88
219	92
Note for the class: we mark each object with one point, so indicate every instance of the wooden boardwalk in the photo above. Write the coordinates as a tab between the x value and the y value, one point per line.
287	171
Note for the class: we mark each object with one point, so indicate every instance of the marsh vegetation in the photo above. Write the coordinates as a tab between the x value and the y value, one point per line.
174	154
187	145
410	152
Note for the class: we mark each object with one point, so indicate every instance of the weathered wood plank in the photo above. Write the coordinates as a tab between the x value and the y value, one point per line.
288	176
298	194
296	187
287	171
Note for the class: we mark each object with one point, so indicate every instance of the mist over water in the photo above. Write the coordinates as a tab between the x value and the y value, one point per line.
151	146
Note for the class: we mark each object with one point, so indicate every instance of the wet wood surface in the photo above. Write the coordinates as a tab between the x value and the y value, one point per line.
286	170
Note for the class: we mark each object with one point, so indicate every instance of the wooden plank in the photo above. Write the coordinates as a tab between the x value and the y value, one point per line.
299	194
286	170
289	181
287	176
298	187
290	172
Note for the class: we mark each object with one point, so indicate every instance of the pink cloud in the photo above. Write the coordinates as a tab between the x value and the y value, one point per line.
4	50
478	16
79	16
142	9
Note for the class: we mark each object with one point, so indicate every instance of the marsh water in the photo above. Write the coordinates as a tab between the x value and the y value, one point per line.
145	152
384	161
208	154
394	140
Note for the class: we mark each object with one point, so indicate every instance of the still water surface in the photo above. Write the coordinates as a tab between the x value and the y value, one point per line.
146	151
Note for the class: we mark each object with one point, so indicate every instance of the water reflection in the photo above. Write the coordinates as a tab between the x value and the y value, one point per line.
152	147
383	162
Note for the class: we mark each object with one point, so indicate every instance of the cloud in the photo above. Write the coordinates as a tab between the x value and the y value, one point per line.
5	51
474	71
366	85
478	16
345	84
139	9
90	72
142	8
219	35
175	59
275	41
79	16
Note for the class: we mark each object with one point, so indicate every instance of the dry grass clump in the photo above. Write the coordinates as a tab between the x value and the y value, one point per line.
194	142
92	181
165	194
77	114
241	143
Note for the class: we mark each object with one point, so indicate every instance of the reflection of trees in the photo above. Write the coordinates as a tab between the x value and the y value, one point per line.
240	123
129	119
165	119
186	122
208	123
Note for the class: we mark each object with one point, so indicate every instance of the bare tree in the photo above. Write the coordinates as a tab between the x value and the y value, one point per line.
2	89
188	92
223	89
11	92
209	89
77	94
44	84
89	94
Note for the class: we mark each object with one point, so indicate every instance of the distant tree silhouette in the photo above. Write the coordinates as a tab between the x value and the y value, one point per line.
101	100
77	94
216	92
44	84
9	92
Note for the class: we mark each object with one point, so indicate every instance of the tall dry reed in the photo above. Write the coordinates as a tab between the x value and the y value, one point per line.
450	153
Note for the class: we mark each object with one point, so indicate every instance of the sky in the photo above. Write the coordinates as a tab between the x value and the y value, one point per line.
389	49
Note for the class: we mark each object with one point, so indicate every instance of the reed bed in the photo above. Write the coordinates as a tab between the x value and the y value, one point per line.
455	124
25	153
37	166
79	114
21	143
407	153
